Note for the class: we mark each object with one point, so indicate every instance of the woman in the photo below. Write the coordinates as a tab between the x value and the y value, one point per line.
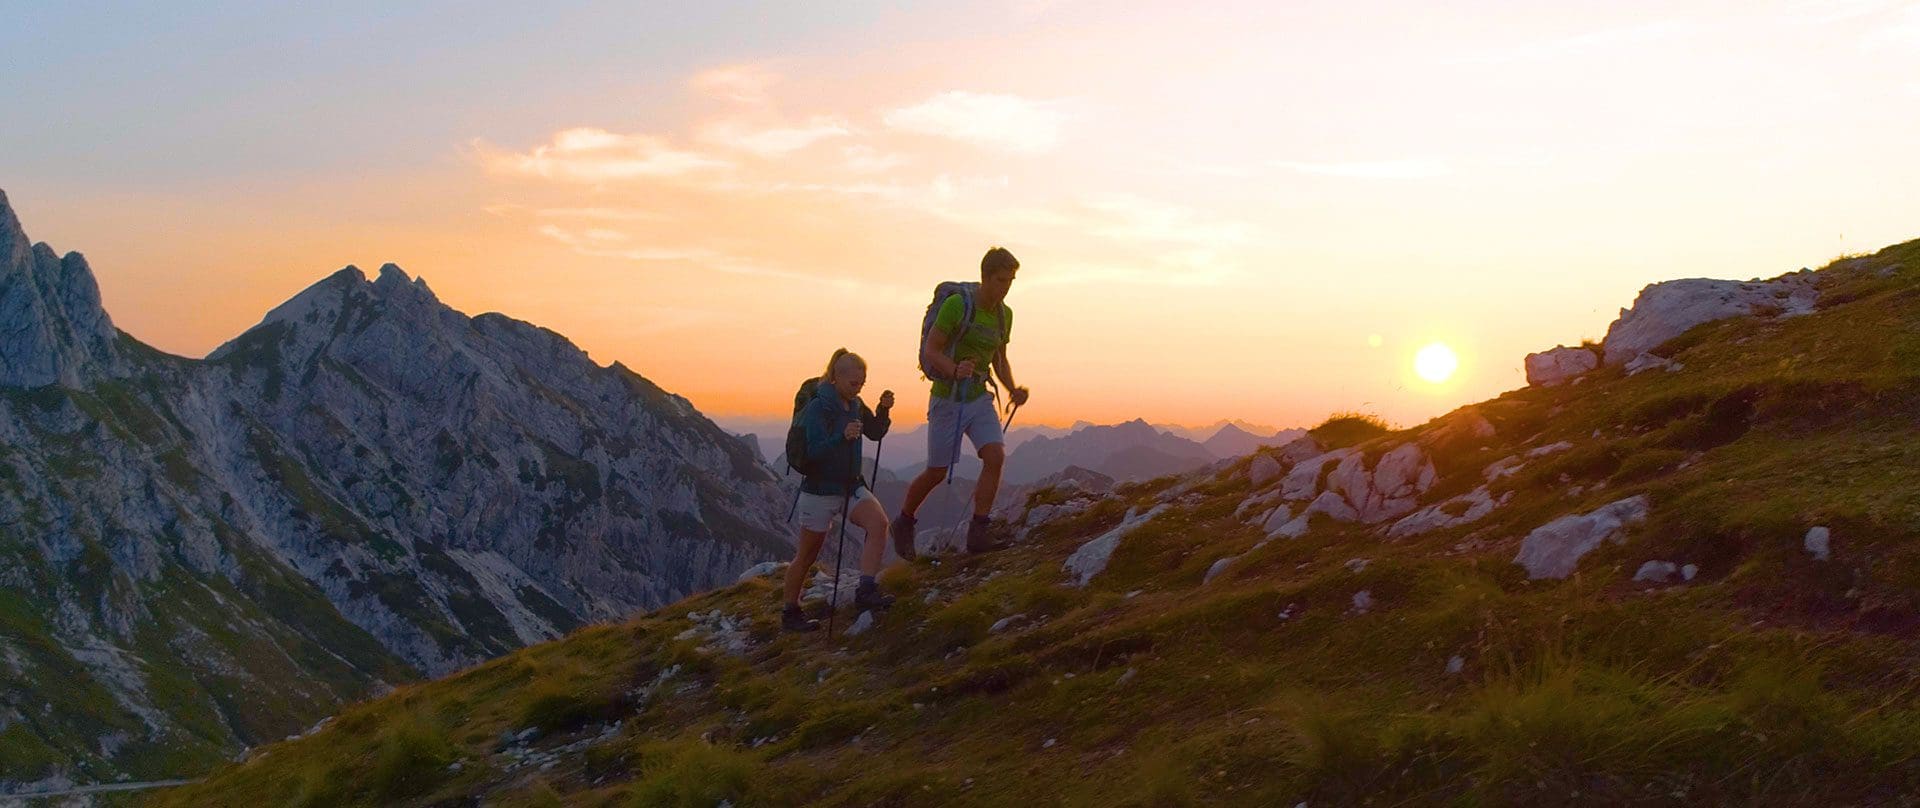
834	421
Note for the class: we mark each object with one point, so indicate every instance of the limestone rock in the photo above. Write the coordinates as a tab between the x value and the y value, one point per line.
1656	571
1091	558
1263	469
1560	364
860	624
1218	567
1553	549
764	569
1819	543
1666	310
1460	510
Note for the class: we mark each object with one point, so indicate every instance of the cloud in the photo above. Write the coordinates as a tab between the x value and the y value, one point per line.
777	141
1375	170
1190	269
1005	122
1135	218
741	84
590	155
598	214
595	243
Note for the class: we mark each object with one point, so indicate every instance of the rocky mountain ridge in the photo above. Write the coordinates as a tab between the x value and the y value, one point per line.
197	556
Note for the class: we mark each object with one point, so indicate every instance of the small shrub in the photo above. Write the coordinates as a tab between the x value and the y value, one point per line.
692	775
410	758
1343	429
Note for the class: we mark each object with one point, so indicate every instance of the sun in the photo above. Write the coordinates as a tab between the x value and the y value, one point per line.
1436	363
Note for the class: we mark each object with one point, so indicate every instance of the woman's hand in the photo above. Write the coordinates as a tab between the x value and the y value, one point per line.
853	430
886	400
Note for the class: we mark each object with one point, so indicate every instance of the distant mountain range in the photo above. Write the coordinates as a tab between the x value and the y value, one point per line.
197	556
1128	451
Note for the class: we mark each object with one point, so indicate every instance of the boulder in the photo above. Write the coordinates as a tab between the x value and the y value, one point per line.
1819	543
1558	365
1656	571
860	624
1298	449
1666	310
1218	567
764	569
1263	469
1553	549
1470	507
1280	516
1303	481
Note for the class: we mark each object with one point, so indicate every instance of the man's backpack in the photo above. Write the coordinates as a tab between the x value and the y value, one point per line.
966	290
797	434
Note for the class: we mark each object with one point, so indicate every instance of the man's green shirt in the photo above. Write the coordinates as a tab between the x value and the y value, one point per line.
984	340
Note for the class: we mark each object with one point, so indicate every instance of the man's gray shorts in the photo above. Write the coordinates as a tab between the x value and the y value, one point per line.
948	419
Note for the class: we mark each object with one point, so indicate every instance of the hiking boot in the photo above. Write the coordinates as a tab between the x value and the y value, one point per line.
979	539
792	619
870	597
902	531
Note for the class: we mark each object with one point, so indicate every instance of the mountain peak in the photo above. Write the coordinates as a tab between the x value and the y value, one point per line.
57	332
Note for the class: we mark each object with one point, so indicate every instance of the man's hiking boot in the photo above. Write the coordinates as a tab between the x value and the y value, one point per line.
902	531
870	597
979	539
792	619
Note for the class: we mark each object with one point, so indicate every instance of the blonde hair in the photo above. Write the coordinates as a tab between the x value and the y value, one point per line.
833	363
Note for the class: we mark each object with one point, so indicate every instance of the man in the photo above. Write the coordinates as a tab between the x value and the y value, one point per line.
960	405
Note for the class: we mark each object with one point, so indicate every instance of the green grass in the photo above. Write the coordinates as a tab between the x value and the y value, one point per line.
1769	679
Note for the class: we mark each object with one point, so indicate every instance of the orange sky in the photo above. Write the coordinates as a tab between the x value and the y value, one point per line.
1215	211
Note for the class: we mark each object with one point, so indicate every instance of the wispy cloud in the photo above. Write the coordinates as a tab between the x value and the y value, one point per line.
1901	33
741	84
1818	12
590	155
596	213
1135	218
779	140
1179	269
1006	122
1373	170
587	243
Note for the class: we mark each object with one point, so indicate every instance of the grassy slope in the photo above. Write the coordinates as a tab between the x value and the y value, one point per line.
1771	677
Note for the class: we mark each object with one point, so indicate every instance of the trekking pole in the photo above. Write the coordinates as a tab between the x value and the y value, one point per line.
1009	424
840	549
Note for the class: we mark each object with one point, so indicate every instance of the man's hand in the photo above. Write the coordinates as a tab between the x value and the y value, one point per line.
853	430
886	400
964	370
1019	396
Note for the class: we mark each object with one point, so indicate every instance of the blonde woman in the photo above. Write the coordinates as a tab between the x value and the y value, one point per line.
834	421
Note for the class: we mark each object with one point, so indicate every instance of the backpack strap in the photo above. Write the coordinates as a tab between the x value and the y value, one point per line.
953	345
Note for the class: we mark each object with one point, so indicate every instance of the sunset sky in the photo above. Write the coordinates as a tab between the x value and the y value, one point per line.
1261	210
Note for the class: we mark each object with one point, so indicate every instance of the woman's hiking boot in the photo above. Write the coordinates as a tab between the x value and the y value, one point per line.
902	531
792	619
979	538
869	596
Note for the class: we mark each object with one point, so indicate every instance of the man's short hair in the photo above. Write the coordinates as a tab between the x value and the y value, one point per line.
997	260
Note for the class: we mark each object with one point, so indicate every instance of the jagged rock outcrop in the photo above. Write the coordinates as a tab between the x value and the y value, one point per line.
1553	549
201	555
1666	310
52	327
